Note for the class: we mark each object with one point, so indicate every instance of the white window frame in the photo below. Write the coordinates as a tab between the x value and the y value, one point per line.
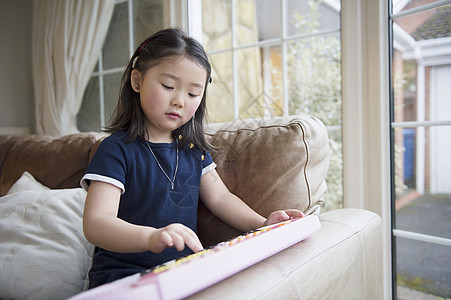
101	72
424	58
366	132
365	121
195	31
365	108
175	15
366	118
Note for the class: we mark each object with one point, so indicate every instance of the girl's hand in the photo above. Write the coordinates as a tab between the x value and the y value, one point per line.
174	235
283	215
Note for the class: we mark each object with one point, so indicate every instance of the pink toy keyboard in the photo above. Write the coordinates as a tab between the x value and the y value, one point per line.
183	277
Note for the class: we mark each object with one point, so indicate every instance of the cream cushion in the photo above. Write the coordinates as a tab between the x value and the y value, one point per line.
43	252
26	182
271	164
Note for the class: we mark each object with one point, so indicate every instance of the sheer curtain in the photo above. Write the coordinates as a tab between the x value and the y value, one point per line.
67	38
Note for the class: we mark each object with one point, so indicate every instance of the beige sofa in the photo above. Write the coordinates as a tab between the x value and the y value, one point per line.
271	164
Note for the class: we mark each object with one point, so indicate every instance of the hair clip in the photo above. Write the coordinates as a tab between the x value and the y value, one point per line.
139	51
142	46
134	62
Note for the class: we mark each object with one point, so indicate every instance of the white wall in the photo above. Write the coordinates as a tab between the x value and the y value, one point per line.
440	94
16	84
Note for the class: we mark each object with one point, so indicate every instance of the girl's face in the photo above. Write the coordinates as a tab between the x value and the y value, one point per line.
170	94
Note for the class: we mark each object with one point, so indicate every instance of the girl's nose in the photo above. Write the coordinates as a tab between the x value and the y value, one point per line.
178	100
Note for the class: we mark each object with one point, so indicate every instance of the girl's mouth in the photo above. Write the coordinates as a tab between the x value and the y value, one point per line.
174	115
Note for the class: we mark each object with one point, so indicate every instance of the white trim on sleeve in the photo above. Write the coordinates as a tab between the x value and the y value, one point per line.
89	177
208	168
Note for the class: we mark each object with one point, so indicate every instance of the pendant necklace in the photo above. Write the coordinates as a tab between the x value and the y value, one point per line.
161	168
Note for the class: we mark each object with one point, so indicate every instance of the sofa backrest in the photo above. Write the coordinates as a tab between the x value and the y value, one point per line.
55	162
271	164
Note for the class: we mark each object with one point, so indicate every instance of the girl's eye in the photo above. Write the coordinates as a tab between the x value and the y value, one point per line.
167	86
193	95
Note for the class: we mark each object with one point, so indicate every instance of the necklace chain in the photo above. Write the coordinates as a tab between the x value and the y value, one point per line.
161	168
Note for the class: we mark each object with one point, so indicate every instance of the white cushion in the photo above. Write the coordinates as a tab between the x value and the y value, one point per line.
26	182
43	252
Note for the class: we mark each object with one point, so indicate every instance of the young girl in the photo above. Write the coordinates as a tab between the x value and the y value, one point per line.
145	179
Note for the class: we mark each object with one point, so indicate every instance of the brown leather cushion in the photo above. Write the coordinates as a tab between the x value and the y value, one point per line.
55	162
270	164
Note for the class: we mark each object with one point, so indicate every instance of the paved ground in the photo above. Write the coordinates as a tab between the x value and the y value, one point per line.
404	293
423	266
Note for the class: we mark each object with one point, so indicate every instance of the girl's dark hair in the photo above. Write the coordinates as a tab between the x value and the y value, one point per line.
129	115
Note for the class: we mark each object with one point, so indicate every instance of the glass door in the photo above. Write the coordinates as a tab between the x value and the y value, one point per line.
421	147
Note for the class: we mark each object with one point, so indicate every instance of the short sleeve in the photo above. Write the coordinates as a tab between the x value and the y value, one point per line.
107	165
207	163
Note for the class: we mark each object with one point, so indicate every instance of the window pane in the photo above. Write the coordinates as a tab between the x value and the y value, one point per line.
314	78
422	163
272	80
268	17
216	24
405	74
148	18
260	96
438	99
421	72
250	85
405	162
438	148
423	266
304	17
421	66
220	92
115	49
112	84
423	198
431	209
334	178
246	22
88	117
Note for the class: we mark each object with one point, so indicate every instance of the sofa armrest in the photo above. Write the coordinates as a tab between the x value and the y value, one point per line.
343	260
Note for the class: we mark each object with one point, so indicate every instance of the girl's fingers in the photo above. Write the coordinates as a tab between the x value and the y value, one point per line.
179	243
276	217
294	213
194	243
191	240
284	215
167	239
179	236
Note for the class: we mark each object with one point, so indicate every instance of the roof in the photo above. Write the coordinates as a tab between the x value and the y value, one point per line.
437	26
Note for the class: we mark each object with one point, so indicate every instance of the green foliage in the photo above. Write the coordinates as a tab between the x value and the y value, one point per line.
314	87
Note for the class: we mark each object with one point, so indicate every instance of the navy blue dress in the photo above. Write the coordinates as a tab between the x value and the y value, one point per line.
147	198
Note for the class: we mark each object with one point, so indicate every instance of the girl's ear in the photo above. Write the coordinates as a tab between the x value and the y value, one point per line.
135	79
